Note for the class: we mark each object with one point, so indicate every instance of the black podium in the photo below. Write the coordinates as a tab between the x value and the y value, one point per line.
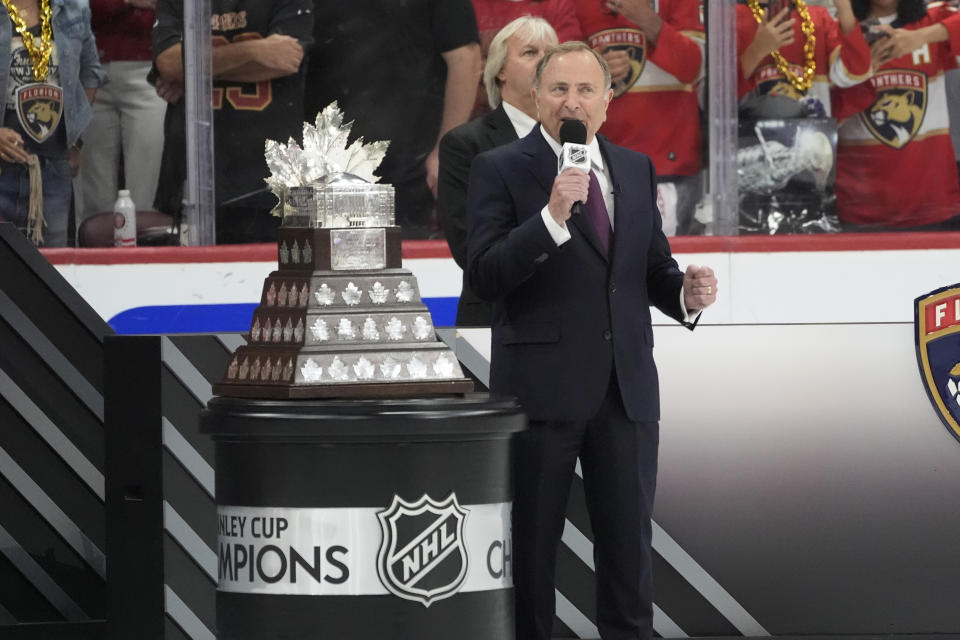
364	519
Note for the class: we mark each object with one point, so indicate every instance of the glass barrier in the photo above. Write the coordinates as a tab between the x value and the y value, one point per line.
151	128
843	116
744	142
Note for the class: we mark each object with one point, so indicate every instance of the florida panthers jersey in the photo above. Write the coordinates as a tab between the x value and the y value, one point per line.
841	60
654	109
895	163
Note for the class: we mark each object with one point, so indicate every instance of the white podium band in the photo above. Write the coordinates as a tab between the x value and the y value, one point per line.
334	552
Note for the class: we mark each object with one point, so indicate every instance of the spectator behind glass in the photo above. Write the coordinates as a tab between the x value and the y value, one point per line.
42	125
493	15
508	75
655	52
896	165
127	119
404	72
762	83
257	95
953	103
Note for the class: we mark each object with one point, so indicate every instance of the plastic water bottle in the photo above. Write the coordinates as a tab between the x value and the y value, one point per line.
124	220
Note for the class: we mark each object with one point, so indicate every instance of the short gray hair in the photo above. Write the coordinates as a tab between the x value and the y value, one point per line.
572	47
533	28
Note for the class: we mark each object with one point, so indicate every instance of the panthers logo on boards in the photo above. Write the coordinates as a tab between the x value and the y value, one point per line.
937	327
895	117
39	107
622	39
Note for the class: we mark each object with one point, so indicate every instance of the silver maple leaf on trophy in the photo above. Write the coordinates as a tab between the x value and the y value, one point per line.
323	157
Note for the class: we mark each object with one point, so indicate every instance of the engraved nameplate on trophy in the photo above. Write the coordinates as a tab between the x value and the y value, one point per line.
358	249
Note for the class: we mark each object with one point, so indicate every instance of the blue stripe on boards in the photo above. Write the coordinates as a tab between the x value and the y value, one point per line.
227	318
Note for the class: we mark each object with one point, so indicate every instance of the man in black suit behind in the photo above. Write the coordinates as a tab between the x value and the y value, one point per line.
573	341
508	76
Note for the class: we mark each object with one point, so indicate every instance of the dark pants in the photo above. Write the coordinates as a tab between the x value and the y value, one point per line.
619	462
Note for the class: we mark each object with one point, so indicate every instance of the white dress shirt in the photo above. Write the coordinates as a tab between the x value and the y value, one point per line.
522	123
561	234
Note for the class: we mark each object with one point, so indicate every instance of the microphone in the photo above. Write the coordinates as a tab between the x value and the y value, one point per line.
575	153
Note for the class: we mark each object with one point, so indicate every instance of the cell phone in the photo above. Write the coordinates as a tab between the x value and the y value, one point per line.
776	6
869	34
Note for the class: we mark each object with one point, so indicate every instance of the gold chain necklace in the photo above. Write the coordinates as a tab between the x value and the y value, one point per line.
799	83
39	56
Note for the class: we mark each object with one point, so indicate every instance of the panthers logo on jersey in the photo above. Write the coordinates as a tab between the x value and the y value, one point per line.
633	42
39	107
895	117
771	82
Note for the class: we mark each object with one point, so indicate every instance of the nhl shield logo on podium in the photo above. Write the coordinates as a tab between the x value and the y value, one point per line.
937	325
422	554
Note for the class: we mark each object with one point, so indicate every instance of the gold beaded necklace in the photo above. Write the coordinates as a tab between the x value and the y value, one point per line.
39	55
799	83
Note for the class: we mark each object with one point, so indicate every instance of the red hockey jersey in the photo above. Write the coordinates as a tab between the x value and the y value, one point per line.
493	15
895	164
654	110
842	60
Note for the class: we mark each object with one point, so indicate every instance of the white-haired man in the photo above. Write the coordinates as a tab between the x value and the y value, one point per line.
572	339
508	77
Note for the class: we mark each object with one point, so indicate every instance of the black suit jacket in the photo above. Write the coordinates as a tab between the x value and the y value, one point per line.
458	148
565	318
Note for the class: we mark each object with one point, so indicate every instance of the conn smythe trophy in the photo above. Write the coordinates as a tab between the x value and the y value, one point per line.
340	317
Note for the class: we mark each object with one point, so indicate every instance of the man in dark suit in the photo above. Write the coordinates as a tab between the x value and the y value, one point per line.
508	76
572	339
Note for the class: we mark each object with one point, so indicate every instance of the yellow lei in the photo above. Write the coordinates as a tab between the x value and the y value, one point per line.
39	55
801	84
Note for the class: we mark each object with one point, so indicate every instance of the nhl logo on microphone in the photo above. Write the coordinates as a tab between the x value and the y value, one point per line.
579	156
576	156
422	553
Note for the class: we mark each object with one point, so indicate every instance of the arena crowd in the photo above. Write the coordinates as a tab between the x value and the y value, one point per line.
849	110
